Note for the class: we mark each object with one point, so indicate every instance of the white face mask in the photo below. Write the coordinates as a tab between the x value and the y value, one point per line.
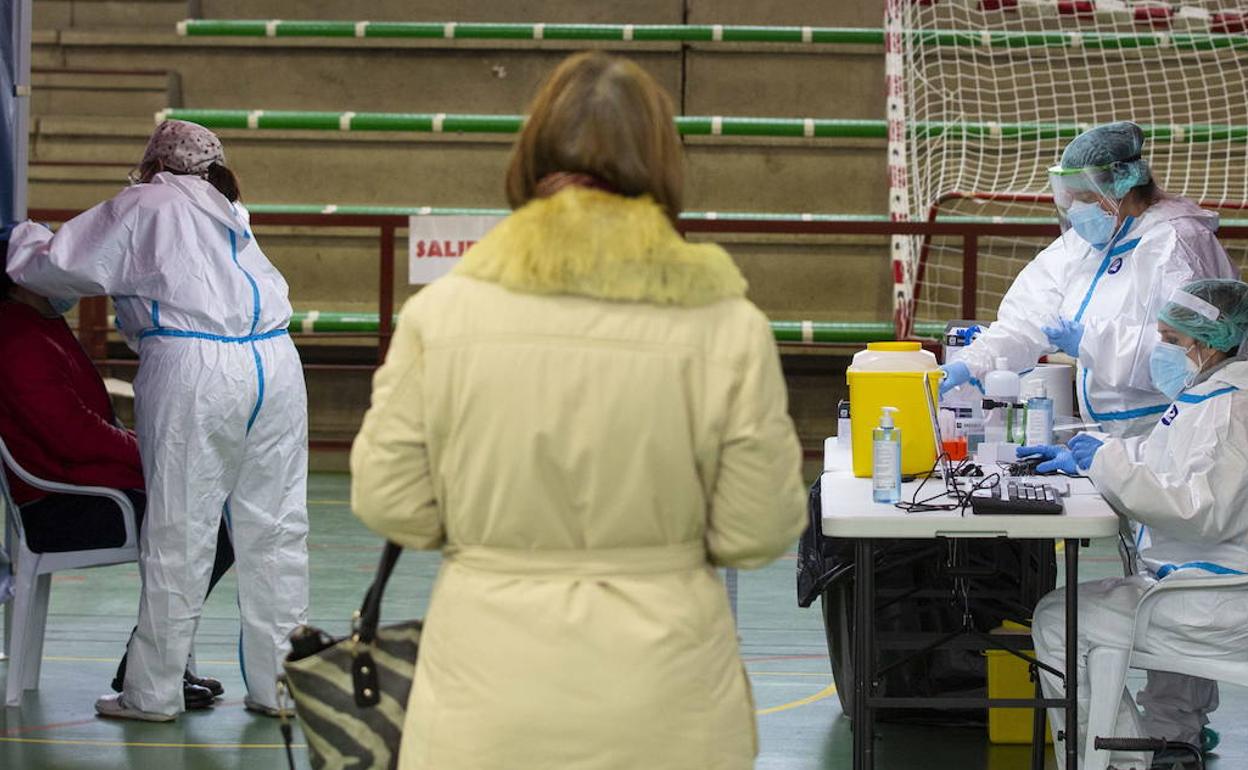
1172	369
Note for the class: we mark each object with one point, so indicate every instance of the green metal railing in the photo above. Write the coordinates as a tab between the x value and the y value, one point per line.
810	332
692	216
441	122
700	33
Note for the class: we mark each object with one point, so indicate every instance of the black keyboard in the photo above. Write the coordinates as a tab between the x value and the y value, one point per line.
1021	498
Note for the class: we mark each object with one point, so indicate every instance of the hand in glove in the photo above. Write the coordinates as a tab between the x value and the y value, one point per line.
1056	458
1084	448
956	374
1066	336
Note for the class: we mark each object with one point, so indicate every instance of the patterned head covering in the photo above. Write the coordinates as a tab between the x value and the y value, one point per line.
186	148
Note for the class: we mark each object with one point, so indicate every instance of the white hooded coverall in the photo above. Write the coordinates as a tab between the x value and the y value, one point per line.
221	415
1185	488
1115	293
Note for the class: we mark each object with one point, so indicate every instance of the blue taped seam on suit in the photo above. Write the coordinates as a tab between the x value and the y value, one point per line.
255	321
255	289
1207	566
1128	414
255	411
1189	398
165	332
1100	271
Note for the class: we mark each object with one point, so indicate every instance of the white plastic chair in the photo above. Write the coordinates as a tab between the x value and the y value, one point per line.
26	616
1107	666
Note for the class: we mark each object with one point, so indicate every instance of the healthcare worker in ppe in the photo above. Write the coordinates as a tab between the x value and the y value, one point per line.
1094	292
220	406
1185	489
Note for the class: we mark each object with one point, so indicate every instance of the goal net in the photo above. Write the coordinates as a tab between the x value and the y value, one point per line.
984	94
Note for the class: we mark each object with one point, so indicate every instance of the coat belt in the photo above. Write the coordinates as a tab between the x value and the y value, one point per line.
595	562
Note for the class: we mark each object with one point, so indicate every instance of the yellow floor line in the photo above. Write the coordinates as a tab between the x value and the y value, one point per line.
143	745
826	692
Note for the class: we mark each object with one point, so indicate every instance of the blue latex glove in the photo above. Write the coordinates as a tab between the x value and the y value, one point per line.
1084	447
1056	458
956	373
1066	336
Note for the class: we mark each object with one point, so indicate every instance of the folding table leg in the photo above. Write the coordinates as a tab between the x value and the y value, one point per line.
864	656
1037	729
1071	746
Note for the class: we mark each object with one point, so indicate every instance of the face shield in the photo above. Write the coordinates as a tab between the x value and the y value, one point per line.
1088	205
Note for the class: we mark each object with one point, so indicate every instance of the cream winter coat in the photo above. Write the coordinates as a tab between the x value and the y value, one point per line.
587	417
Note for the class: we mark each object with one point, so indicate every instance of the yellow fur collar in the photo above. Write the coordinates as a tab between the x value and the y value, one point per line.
596	244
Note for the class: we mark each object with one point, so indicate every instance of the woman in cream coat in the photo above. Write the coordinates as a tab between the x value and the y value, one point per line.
587	417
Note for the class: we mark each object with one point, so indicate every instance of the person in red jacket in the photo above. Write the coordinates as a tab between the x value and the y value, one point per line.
57	420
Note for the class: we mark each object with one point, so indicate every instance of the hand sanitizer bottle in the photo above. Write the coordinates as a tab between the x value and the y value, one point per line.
1039	414
886	460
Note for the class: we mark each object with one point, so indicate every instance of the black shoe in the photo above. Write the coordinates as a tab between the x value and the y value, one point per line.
196	697
212	685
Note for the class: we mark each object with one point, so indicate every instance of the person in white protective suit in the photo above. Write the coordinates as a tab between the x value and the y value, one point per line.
1185	489
220	405
1094	292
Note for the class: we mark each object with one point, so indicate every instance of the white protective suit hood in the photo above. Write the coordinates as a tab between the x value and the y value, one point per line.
207	199
1171	208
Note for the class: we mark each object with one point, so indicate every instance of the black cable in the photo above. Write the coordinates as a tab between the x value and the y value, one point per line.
915	505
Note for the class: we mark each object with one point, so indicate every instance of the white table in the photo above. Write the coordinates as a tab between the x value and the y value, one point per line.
849	512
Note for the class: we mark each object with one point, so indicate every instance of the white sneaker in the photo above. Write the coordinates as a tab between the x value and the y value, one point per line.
268	711
113	707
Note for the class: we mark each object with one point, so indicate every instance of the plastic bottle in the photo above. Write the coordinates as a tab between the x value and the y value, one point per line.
1001	423
886	459
1039	418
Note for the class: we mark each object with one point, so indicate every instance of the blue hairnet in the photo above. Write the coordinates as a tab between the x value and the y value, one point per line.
1117	145
1226	332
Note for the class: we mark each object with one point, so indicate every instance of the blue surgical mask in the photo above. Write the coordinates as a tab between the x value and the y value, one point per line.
62	305
1093	223
1172	370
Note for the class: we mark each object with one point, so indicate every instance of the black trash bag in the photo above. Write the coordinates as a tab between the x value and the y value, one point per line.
916	586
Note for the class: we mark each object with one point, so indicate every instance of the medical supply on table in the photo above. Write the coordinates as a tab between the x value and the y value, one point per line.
886	459
959	334
972	428
990	454
829	445
844	433
1002	418
1059	382
1038	414
955	448
893	374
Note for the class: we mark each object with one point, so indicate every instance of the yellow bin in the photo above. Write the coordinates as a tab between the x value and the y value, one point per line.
892	374
1008	678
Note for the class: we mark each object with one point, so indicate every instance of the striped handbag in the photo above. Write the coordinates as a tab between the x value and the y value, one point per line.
351	694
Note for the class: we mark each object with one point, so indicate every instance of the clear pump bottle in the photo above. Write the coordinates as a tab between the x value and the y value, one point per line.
886	459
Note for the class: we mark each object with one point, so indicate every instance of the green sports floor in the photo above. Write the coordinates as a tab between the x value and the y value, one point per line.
799	717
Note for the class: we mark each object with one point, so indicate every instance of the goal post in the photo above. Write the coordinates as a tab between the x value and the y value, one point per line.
984	94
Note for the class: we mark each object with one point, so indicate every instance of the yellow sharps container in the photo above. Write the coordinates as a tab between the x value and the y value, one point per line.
893	374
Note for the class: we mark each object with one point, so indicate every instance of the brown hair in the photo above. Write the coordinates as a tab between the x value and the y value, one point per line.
219	176
604	116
